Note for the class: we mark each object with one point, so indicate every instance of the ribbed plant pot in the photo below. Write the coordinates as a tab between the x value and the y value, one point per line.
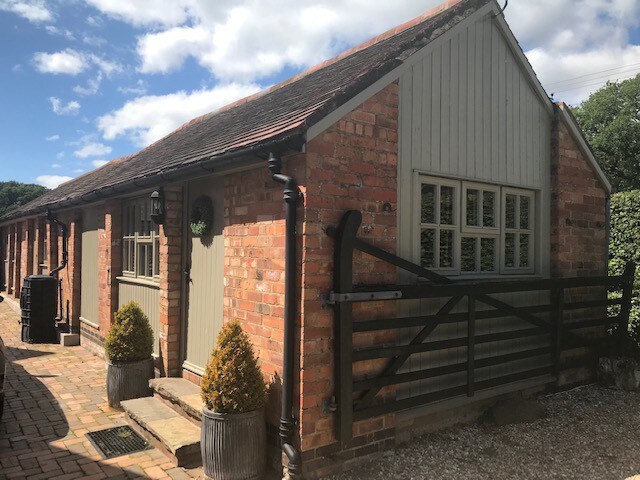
127	380
234	447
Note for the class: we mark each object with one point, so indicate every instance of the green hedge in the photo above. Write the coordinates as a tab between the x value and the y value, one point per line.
624	242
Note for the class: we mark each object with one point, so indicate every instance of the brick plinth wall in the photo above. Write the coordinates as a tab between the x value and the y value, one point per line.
170	282
352	165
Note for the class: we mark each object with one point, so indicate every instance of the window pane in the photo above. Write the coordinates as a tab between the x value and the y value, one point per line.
487	254
510	211
125	256
472	207
446	205
524	212
428	214
524	250
488	209
149	270
468	258
510	250
446	248
428	248
156	267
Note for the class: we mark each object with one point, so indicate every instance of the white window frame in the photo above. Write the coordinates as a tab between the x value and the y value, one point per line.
478	232
135	238
438	227
531	231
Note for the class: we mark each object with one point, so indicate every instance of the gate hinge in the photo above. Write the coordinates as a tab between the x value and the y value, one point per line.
363	296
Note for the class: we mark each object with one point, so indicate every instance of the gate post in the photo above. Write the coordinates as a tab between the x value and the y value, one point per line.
343	283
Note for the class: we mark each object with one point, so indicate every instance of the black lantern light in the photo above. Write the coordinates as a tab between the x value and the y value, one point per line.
157	206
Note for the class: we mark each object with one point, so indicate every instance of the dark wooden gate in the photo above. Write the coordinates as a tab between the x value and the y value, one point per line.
553	320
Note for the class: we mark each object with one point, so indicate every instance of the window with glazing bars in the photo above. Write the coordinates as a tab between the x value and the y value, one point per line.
475	228
140	241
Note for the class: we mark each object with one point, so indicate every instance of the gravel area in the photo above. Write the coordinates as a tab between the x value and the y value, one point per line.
590	433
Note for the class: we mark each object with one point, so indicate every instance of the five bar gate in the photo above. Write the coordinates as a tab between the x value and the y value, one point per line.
355	398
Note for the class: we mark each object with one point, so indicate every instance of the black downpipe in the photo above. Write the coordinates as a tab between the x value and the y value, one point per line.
287	423
65	259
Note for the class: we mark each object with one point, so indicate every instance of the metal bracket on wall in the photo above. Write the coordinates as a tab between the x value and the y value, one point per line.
363	296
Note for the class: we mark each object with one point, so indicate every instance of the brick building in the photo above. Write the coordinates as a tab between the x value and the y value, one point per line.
438	132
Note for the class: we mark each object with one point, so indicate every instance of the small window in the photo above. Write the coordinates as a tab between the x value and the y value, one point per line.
140	241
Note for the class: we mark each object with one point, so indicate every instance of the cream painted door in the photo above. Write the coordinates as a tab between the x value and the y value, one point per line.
89	290
204	278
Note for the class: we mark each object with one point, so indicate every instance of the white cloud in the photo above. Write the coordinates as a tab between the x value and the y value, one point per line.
147	119
59	155
35	11
79	170
93	86
56	165
52	181
99	163
139	89
73	62
145	12
93	41
52	138
53	30
67	61
92	150
59	107
17	68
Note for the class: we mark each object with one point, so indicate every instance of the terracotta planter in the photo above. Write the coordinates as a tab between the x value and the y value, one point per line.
621	373
127	380
234	447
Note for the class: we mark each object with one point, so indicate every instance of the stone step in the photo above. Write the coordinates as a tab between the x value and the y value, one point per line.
165	429
181	395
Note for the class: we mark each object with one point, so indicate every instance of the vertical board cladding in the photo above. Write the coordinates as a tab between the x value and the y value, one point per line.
254	261
350	166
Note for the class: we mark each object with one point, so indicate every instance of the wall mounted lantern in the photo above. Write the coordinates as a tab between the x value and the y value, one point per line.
157	206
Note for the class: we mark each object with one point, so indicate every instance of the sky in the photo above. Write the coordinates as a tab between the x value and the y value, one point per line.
86	81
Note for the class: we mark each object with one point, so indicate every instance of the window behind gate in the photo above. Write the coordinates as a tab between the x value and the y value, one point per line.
469	228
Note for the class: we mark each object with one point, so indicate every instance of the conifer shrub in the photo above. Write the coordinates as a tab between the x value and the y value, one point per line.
233	382
130	338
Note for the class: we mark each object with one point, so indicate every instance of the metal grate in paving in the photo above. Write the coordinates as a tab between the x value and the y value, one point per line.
114	442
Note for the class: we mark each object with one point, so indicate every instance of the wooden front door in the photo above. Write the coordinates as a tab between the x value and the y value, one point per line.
204	275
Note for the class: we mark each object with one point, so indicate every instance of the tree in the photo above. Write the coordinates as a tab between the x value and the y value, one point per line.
14	194
610	119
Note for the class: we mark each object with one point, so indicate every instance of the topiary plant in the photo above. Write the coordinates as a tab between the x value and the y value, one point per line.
130	338
233	382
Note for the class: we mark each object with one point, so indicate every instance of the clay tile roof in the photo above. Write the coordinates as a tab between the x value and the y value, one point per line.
283	112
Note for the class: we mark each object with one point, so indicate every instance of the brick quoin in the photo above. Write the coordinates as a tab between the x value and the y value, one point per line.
350	166
579	242
170	282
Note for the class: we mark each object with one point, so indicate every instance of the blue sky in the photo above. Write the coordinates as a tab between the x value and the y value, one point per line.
85	81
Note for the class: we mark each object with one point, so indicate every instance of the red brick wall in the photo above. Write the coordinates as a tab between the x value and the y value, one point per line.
26	256
352	165
254	242
109	258
70	275
579	242
170	282
12	256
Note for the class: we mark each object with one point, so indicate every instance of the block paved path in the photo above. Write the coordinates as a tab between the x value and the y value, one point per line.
54	395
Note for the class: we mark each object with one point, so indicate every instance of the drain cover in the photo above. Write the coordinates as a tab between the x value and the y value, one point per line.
117	441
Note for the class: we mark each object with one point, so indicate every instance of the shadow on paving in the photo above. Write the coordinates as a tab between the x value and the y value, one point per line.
36	440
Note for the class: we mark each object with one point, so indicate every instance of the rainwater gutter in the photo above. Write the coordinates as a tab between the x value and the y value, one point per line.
287	422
